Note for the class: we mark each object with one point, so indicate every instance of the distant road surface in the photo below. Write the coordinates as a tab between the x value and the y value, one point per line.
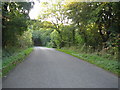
48	68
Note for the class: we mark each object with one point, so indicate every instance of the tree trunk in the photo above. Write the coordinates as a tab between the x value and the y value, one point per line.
73	36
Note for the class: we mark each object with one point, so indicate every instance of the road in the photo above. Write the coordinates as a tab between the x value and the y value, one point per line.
48	68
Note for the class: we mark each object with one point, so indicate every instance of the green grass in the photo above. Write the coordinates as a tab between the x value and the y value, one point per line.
109	65
10	62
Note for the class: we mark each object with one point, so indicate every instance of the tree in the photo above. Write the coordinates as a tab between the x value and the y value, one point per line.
14	18
58	14
102	16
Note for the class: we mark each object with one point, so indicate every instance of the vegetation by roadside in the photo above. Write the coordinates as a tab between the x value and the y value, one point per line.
16	34
109	65
91	28
10	62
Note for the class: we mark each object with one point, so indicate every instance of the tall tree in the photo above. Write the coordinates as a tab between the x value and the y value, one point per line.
57	14
14	18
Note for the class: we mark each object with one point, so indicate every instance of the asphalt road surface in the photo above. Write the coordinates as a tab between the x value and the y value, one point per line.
48	68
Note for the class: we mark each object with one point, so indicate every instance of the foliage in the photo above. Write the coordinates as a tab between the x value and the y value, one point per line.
25	40
42	36
15	33
94	21
14	18
91	27
58	13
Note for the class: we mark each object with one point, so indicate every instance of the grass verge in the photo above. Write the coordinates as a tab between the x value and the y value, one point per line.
9	63
109	65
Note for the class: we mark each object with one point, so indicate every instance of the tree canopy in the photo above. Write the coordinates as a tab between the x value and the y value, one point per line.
88	26
15	21
94	25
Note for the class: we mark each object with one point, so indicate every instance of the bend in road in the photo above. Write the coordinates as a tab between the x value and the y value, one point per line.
48	68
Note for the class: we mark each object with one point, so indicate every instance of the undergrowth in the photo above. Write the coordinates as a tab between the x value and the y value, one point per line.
107	64
8	63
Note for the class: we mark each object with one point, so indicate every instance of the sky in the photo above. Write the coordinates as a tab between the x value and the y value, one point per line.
35	11
39	9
